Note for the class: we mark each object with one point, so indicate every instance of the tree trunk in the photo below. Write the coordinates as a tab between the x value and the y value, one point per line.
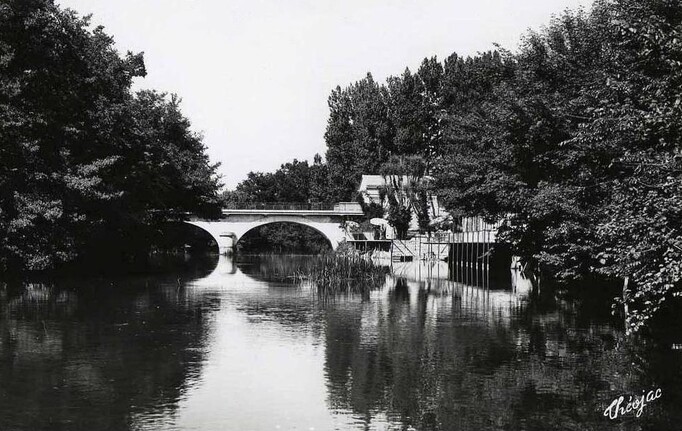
626	309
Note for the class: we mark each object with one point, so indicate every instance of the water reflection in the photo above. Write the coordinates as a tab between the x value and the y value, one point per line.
232	349
93	359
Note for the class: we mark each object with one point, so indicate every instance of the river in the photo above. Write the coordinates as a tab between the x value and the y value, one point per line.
219	346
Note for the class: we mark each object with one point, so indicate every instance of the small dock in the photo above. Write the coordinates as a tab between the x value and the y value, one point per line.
422	247
469	252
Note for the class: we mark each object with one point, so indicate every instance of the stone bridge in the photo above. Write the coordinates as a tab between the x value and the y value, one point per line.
327	219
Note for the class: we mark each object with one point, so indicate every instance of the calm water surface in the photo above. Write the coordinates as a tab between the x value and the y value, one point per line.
223	348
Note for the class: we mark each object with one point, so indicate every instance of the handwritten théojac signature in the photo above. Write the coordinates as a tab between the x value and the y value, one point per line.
634	404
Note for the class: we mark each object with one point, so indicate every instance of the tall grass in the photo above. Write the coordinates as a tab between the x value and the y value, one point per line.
329	274
334	274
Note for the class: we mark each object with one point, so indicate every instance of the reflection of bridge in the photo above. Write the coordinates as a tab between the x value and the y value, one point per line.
238	219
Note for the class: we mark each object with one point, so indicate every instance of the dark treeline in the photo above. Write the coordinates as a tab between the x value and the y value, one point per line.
283	238
295	182
89	170
573	140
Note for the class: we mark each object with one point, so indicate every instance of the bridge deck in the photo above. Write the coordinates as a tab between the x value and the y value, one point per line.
339	209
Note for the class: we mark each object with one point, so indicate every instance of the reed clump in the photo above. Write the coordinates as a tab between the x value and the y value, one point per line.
339	274
333	273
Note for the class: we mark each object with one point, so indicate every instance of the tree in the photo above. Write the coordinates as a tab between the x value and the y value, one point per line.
405	192
295	182
319	182
639	107
415	110
359	135
576	143
84	160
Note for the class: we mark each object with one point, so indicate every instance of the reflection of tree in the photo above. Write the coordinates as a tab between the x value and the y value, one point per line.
331	275
98	358
273	268
400	290
438	364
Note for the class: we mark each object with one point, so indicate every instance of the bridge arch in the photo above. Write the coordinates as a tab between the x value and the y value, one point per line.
228	232
223	237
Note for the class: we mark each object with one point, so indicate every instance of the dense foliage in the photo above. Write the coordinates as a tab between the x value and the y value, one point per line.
293	182
359	135
369	123
283	238
87	167
576	142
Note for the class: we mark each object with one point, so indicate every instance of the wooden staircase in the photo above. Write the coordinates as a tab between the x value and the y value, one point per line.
418	248
401	252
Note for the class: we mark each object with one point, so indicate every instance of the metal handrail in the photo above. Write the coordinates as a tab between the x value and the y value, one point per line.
285	206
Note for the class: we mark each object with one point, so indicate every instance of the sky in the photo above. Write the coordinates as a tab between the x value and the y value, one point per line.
254	75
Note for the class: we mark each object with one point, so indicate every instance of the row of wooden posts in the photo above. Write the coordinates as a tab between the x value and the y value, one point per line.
470	260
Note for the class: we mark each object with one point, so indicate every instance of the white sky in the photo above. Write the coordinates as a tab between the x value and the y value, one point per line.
254	75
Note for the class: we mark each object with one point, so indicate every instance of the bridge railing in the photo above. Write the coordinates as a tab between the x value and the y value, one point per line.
348	207
285	206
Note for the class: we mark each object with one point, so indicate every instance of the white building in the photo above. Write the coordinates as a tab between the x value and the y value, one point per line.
371	188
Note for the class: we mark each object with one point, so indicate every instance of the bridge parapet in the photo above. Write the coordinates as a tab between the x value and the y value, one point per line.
348	207
288	206
278	208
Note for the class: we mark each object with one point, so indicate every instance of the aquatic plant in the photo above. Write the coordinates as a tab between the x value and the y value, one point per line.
329	273
333	274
